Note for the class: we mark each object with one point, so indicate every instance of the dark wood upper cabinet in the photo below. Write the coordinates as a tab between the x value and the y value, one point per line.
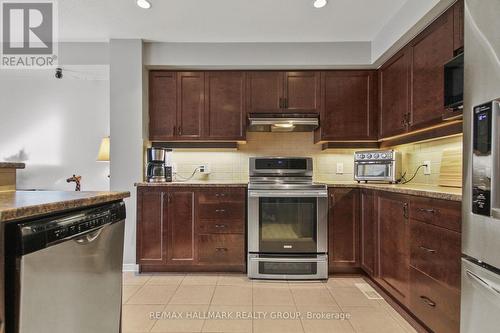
162	105
349	106
368	225
225	105
181	241
150	204
429	52
343	230
190	105
394	94
264	91
393	240
458	25
302	91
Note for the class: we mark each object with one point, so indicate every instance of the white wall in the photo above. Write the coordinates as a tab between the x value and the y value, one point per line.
55	126
126	92
258	55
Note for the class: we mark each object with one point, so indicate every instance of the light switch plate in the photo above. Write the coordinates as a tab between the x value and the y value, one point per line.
340	168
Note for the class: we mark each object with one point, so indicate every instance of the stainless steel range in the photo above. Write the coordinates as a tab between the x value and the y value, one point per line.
287	220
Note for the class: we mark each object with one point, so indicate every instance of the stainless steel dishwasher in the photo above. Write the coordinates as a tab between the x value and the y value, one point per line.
64	273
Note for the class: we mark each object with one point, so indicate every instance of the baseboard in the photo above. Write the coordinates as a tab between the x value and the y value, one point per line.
130	268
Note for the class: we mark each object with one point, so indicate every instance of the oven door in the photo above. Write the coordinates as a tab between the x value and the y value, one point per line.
293	221
374	170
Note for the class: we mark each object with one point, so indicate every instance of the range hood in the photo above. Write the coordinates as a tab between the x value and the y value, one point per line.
282	122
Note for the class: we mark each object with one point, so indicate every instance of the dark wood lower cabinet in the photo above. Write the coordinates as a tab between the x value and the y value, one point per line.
343	230
190	229
368	237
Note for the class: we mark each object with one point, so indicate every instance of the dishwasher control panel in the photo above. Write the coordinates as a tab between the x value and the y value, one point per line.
40	233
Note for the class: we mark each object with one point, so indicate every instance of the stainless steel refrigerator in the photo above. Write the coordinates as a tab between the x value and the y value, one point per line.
480	305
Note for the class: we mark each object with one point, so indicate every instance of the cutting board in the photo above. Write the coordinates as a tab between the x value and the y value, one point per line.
450	174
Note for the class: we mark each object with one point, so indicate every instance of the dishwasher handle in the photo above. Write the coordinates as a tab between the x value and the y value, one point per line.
90	236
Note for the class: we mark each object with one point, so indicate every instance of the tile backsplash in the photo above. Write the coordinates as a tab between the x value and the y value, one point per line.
232	165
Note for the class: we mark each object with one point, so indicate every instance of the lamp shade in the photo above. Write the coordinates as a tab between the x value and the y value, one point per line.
103	154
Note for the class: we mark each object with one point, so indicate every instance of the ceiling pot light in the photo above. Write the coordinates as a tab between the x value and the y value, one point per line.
319	3
144	4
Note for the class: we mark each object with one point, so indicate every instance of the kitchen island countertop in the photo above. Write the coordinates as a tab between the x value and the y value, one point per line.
16	205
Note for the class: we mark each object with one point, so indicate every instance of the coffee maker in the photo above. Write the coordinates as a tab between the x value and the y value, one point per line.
159	168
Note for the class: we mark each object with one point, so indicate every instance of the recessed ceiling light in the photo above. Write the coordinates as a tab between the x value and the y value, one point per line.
319	3
144	4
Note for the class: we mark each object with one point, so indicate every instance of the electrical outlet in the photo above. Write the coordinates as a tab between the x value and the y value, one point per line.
204	168
427	167
340	168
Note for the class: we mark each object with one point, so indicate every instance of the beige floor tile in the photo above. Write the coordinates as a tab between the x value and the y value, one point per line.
401	321
312	296
279	319
166	279
190	318
344	281
132	278
372	320
265	295
153	295
137	318
271	283
232	295
193	294
234	280
351	296
128	291
200	280
236	320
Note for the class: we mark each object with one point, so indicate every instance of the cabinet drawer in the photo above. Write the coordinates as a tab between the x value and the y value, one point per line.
216	211
443	213
222	194
434	304
221	249
436	252
221	226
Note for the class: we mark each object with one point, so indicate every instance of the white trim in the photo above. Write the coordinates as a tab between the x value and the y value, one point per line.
130	268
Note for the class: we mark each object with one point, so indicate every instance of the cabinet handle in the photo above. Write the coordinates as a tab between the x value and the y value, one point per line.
175	130
179	130
169	198
221	249
427	210
220	210
428	301
220	225
427	249
405	210
286	103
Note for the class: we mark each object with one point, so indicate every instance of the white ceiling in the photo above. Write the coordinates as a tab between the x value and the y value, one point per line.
225	20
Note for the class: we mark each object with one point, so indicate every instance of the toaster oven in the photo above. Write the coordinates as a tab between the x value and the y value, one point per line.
378	165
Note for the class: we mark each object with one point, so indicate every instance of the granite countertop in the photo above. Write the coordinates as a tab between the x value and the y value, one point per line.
23	204
12	165
221	183
429	191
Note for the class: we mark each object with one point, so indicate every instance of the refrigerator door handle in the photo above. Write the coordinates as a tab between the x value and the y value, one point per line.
483	282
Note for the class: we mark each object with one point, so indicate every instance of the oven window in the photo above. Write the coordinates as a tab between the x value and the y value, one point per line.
288	225
374	170
288	268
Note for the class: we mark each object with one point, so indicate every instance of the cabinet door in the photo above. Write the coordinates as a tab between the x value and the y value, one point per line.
343	229
393	235
458	25
430	51
150	227
368	232
264	91
190	104
302	91
394	94
181	227
162	105
225	105
349	110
